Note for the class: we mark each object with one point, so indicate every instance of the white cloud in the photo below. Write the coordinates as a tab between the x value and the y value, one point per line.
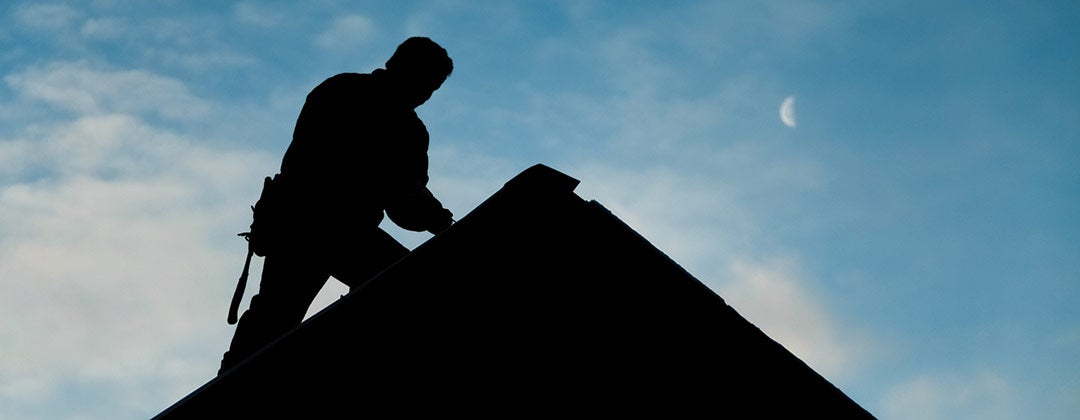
775	297
259	14
118	253
104	28
346	32
83	89
46	16
984	396
107	275
16	156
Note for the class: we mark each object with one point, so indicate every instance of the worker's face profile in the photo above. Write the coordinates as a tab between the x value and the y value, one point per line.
421	87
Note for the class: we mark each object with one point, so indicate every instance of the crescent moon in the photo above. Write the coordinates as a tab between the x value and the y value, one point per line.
787	111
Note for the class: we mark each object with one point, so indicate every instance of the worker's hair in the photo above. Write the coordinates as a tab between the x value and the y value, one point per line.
420	55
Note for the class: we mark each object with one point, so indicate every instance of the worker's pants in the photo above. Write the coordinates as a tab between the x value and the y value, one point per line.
294	275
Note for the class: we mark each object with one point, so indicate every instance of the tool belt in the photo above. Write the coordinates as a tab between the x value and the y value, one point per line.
266	218
263	235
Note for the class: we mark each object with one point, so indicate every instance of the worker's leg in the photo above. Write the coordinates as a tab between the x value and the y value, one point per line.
289	283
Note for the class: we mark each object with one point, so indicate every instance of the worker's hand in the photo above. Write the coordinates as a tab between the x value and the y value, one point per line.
443	222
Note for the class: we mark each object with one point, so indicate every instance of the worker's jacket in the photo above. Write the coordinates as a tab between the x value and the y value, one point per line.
356	152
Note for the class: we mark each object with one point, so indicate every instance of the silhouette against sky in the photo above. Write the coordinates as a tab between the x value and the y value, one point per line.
912	237
358	150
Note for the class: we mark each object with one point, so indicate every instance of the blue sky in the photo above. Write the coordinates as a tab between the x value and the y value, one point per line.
912	236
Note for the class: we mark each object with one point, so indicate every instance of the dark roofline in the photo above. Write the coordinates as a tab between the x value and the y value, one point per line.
536	301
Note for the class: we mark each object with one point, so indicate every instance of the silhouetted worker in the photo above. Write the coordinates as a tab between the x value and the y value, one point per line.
358	150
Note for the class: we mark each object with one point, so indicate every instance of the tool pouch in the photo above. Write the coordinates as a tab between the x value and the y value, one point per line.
263	233
266	219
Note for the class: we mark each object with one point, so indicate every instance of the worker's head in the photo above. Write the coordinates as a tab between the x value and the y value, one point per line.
421	66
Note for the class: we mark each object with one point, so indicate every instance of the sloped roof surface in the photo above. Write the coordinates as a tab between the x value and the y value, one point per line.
536	302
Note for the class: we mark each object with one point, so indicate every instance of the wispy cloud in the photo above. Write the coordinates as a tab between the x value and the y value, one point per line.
84	89
46	16
105	29
347	32
260	14
983	395
778	298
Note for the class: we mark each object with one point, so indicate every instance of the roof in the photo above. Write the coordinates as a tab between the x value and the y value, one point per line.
537	301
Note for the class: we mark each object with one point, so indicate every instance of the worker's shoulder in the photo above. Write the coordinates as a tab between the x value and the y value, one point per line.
345	83
349	78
